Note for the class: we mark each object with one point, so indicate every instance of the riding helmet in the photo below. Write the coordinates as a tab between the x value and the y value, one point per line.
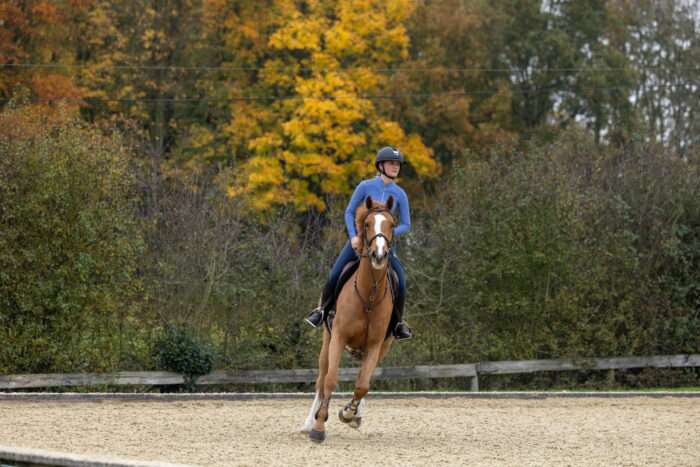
388	153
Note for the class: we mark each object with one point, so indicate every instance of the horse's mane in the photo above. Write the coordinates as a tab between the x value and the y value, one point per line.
362	212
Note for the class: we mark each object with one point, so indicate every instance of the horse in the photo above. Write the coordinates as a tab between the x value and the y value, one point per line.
361	323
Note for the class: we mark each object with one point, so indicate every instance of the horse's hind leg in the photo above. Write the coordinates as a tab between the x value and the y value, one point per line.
323	370
386	345
351	414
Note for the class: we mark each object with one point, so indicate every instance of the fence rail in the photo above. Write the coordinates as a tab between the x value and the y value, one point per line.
467	370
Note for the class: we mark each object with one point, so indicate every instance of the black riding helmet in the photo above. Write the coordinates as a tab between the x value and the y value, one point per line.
388	153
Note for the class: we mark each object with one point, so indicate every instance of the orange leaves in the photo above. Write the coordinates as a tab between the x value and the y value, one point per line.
32	121
44	12
53	86
39	32
13	20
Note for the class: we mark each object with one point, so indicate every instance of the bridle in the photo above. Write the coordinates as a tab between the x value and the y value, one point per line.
368	243
371	303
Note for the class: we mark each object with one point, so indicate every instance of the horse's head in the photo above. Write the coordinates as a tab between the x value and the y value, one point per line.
376	227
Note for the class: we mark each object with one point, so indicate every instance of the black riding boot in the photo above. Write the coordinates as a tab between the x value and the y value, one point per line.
401	331
317	315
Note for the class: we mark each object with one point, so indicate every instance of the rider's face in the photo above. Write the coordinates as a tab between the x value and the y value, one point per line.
392	168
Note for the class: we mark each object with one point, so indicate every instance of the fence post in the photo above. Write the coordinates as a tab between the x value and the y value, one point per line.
475	383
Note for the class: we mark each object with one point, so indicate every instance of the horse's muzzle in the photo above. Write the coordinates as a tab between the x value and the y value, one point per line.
378	261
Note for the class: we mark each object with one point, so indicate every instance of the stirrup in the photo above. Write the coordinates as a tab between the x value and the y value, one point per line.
402	331
315	318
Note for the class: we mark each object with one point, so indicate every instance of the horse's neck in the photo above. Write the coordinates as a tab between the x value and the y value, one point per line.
367	276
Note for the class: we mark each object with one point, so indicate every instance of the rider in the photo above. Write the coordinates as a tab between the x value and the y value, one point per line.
388	163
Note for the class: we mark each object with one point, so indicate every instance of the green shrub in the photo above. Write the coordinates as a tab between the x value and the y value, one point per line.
178	349
70	240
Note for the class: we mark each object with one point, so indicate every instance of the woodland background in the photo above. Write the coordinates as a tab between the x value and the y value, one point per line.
173	175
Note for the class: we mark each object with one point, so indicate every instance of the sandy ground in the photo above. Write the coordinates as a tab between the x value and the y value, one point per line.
640	431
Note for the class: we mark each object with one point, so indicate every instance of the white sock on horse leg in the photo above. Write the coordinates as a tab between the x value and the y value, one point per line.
360	407
309	423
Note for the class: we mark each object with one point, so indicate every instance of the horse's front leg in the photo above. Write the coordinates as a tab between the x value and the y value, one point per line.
330	381
323	370
352	413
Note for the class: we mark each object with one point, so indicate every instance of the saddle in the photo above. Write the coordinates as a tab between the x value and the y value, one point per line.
346	274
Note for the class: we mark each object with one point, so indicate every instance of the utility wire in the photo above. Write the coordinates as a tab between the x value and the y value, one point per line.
306	69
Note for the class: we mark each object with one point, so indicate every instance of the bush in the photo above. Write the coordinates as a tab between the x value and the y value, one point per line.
564	250
70	240
178	350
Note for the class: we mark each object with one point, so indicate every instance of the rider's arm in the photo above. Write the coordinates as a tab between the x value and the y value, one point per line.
405	215
357	197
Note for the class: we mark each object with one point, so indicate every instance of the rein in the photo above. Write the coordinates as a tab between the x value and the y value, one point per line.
370	303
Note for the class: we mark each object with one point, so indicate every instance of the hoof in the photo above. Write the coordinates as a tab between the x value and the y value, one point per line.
317	436
353	422
343	419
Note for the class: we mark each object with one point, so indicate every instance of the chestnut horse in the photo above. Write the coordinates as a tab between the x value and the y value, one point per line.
363	313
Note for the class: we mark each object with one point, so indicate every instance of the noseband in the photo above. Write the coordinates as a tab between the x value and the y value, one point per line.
368	243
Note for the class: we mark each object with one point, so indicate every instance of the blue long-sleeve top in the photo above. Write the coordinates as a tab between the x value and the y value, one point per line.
378	191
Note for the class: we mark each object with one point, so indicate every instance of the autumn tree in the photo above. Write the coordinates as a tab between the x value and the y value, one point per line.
37	48
447	91
145	60
317	119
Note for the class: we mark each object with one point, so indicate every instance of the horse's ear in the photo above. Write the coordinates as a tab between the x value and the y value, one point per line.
390	203
368	202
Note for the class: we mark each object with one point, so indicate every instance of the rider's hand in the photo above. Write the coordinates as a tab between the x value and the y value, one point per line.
356	243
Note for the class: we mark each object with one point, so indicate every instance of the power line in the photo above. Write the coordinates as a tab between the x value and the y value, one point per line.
306	69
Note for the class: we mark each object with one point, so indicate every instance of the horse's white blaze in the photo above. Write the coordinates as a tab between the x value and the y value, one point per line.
381	243
309	423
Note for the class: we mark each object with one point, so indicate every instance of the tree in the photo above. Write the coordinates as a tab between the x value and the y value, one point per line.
318	132
37	39
662	43
141	63
448	92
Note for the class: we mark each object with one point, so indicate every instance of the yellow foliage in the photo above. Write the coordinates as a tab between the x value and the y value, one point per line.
279	74
325	140
342	42
201	138
265	144
416	153
365	79
304	198
264	172
302	34
242	128
420	156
